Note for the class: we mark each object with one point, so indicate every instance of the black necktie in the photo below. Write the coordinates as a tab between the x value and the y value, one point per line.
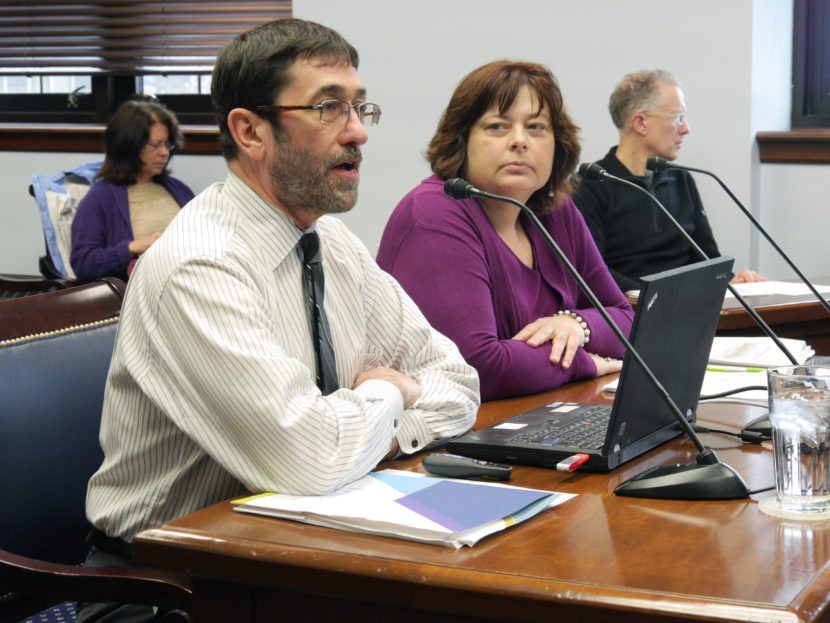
314	287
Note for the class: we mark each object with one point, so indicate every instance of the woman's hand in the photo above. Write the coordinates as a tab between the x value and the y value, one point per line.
140	245
563	332
606	365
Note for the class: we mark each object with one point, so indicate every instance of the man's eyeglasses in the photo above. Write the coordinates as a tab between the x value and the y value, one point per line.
159	145
677	119
333	111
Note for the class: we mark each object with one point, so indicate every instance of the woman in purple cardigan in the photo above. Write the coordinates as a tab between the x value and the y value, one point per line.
134	198
477	268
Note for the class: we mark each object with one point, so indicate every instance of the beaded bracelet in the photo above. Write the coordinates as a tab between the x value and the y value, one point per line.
583	325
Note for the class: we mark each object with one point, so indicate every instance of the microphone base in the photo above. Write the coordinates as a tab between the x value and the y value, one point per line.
760	425
688	481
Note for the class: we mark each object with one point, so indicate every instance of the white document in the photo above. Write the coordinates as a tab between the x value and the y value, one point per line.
409	505
785	288
762	288
757	352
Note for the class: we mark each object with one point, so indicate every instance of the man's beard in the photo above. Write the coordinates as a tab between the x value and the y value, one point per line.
302	182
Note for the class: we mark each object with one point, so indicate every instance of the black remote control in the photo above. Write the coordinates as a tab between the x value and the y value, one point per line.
454	466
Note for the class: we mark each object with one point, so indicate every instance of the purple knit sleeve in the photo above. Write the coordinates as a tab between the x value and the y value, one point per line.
436	249
588	261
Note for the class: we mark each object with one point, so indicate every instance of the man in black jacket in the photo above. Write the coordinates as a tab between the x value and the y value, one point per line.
632	234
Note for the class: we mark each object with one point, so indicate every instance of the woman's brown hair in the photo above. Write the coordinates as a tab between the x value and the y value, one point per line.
128	132
497	84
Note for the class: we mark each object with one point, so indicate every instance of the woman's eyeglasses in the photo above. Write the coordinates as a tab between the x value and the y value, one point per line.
159	145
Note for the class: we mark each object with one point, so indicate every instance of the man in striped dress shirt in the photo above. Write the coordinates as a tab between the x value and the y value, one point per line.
212	391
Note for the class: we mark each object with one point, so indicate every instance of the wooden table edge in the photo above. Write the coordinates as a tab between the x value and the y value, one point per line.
488	591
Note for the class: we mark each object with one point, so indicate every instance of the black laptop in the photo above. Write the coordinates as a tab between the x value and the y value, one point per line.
674	324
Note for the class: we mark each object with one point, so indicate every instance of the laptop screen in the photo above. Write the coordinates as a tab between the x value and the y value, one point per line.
676	319
677	316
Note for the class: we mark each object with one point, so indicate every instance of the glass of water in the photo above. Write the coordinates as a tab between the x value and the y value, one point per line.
799	410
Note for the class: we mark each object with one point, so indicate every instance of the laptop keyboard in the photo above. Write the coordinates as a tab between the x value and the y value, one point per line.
586	431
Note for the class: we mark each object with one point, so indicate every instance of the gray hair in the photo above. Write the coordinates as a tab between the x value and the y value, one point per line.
637	92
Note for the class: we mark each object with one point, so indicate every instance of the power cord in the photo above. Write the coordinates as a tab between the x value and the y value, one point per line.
745	435
749	436
733	391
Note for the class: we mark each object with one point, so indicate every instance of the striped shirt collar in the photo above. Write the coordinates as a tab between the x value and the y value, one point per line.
278	234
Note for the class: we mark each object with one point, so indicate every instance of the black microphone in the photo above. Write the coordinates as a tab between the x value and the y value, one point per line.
459	189
593	171
657	164
762	424
707	478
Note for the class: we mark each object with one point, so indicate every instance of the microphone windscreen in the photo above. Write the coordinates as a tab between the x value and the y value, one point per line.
458	188
591	171
657	164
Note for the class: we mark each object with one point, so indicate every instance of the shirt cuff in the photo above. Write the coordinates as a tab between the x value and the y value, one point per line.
375	391
415	433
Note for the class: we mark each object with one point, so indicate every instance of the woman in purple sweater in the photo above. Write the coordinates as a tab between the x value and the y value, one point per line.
134	197
477	268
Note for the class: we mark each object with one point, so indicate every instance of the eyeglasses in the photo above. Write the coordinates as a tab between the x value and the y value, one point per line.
332	111
677	119
159	145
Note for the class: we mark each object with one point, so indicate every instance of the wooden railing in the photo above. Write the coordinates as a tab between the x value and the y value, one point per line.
90	138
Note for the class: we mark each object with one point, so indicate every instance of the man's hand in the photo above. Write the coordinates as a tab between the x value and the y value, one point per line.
747	276
393	451
410	388
563	332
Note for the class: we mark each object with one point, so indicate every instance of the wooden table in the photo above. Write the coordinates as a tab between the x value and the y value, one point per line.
597	557
801	317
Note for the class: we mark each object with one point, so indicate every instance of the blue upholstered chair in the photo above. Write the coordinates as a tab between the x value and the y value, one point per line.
57	198
55	351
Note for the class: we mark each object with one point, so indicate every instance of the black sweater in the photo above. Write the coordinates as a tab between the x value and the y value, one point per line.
633	235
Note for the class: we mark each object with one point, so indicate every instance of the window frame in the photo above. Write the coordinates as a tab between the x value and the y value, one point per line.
811	65
116	44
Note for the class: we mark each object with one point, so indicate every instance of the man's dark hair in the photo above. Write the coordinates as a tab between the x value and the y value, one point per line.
252	70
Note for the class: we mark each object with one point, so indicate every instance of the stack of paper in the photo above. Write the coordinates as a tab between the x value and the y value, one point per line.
761	288
411	506
741	362
757	352
785	288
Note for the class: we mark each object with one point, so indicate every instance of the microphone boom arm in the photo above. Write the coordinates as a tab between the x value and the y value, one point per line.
755	222
707	478
749	309
607	317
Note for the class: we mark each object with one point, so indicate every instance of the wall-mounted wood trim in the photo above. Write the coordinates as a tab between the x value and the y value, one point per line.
803	146
90	138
